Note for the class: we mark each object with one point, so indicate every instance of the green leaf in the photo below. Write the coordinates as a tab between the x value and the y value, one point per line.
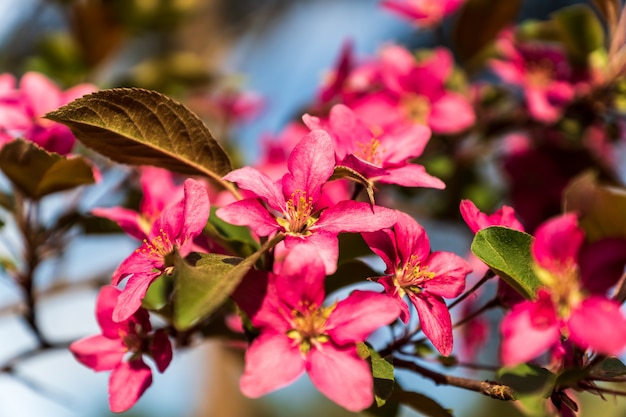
507	252
421	403
37	172
235	238
202	287
581	31
158	293
478	24
352	175
382	370
601	208
142	127
610	368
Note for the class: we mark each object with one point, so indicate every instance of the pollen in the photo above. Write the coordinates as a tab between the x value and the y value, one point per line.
413	275
298	213
416	108
370	151
157	247
309	326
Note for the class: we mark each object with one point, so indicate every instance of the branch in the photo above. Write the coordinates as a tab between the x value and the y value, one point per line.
489	388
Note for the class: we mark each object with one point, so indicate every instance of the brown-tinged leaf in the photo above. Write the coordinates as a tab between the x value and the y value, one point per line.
479	23
36	172
142	127
352	175
601	208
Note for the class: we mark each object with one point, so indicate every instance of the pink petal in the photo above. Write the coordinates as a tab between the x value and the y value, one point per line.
161	350
41	94
411	238
251	213
99	353
450	273
382	243
196	209
272	362
404	142
105	304
540	107
354	216
302	276
411	175
127	383
602	264
260	184
356	317
323	244
310	165
128	220
530	328
435	320
341	375
159	191
557	243
130	299
138	262
477	220
452	113
597	323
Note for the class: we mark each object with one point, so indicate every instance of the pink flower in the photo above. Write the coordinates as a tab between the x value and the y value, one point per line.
176	227
543	73
422	12
287	205
298	333
563	309
477	220
120	349
159	191
21	111
415	92
383	158
425	277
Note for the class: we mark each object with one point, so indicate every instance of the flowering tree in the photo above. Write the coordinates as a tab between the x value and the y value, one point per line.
334	197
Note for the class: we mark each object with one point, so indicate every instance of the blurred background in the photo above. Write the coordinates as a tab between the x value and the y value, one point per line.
191	50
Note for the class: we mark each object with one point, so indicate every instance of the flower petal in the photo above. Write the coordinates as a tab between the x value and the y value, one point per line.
258	183
272	362
530	328
356	317
127	383
251	213
435	320
341	375
99	353
450	273
597	323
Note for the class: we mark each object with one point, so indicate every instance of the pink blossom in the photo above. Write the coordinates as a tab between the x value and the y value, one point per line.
382	158
422	12
299	333
415	92
120	349
175	228
22	109
477	220
563	308
287	205
541	70
159	191
426	278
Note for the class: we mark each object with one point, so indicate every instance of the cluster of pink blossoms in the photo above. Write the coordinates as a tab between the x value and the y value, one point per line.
23	106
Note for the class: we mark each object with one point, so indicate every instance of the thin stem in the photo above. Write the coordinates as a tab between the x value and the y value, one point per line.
488	275
489	388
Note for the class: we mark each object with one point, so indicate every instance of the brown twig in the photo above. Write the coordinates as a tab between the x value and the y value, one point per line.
489	388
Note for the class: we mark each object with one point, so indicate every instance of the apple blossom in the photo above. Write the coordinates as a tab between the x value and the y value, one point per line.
425	277
120	349
299	333
287	205
174	229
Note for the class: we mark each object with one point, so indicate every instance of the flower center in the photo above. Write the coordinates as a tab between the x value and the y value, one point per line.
413	275
158	247
416	108
540	73
298	214
370	151
309	325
